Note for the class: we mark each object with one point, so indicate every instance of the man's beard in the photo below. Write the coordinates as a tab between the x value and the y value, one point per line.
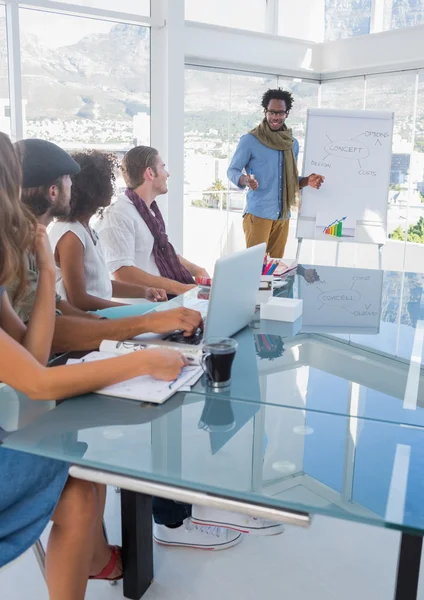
61	208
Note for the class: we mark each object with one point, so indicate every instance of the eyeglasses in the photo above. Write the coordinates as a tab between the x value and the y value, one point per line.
277	113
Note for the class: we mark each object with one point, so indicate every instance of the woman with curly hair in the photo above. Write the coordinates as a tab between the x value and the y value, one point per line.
82	276
34	489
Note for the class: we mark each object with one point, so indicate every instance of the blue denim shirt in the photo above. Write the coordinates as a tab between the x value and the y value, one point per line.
267	167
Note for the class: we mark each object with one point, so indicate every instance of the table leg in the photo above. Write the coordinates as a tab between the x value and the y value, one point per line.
408	571
137	543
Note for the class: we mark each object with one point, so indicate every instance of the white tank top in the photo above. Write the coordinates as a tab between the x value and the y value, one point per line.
97	276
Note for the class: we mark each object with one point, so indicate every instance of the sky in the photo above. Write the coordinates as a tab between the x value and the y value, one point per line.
55	30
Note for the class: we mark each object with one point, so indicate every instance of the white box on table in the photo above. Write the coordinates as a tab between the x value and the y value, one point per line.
282	309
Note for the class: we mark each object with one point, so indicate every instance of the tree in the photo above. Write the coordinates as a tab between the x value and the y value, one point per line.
398	234
415	233
213	199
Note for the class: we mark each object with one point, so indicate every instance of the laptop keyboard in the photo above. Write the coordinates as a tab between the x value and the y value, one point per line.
180	338
193	340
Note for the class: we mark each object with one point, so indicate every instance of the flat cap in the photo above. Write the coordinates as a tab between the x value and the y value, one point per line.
43	162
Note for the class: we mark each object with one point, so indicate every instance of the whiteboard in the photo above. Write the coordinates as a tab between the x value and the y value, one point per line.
352	149
342	301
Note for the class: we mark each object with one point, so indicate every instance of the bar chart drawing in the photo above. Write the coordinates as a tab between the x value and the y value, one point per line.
337	229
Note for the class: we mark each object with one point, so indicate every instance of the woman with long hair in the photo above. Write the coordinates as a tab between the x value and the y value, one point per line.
34	489
82	275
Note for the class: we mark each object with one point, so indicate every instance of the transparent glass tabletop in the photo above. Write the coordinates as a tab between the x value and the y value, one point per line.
277	456
357	349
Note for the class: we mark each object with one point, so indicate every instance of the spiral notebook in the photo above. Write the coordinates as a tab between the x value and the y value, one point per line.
144	388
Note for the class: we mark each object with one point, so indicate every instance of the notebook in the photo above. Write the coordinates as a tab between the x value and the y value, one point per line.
144	388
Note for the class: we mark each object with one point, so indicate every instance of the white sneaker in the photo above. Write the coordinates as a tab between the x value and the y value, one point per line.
201	515
190	535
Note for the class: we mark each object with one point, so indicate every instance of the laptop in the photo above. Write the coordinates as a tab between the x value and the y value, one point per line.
232	299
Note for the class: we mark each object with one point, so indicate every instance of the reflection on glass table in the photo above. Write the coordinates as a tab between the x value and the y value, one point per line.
337	465
359	328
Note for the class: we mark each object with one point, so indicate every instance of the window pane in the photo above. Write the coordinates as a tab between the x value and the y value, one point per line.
207	101
137	7
303	19
79	91
305	94
346	18
343	93
414	259
243	14
4	81
396	92
403	13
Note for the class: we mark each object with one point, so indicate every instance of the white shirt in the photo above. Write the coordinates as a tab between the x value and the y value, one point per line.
97	278
125	237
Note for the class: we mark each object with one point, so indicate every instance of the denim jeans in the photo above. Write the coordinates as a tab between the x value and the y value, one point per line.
168	512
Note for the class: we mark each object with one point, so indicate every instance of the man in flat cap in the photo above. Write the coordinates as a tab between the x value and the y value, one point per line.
46	179
46	190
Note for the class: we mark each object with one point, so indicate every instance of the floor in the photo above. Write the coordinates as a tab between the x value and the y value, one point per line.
330	560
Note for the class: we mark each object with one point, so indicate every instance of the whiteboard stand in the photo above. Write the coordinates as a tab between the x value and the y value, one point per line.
380	253
299	244
380	256
337	253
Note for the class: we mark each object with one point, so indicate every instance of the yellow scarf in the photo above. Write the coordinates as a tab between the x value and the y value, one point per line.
282	140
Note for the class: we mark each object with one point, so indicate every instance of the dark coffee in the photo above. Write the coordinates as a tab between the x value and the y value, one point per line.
218	359
218	366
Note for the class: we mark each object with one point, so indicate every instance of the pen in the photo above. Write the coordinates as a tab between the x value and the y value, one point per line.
272	269
268	267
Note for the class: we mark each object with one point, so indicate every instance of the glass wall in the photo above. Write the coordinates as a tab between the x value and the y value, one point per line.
242	14
402	93
4	81
138	7
77	90
345	93
314	20
219	108
402	13
320	20
396	92
346	18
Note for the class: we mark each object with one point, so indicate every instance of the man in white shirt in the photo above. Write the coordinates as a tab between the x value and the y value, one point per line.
133	233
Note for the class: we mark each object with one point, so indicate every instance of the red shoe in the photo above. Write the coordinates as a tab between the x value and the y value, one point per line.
108	569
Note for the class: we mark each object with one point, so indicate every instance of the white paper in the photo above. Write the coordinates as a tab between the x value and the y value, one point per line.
144	388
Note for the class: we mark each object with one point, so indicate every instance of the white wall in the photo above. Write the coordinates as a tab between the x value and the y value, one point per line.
379	52
234	48
210	45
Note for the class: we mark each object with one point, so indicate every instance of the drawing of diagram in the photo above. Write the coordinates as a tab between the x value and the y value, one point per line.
345	299
353	148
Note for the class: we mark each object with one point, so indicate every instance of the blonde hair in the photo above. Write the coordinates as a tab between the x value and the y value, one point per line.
135	163
17	225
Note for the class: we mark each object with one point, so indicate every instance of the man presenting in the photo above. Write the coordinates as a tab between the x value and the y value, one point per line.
265	162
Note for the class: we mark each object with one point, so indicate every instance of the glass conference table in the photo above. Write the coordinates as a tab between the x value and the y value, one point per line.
323	416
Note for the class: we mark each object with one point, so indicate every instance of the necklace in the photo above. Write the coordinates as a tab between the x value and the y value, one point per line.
91	232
